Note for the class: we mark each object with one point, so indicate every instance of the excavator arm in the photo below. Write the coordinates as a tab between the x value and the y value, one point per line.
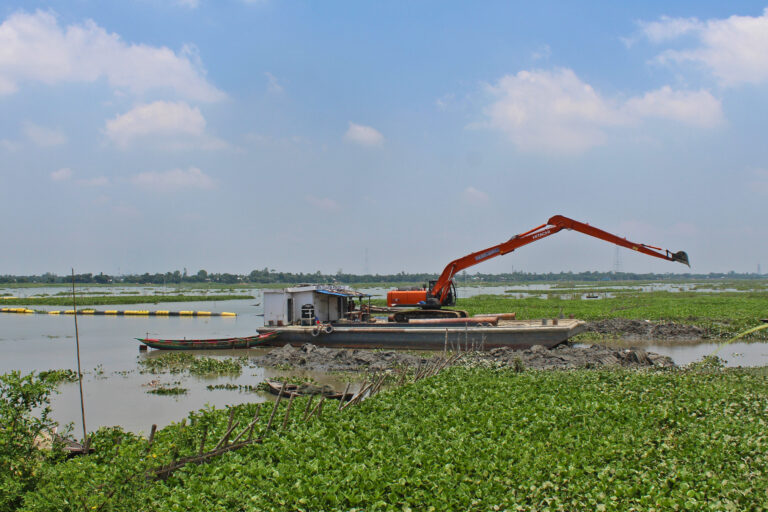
440	292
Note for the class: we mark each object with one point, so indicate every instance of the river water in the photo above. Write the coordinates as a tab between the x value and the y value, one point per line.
116	392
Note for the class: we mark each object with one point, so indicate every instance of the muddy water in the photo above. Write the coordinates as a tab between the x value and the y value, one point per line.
116	393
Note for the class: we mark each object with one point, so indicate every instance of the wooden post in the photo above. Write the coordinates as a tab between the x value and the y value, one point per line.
288	411
309	405
344	395
274	409
255	420
445	343
317	407
152	431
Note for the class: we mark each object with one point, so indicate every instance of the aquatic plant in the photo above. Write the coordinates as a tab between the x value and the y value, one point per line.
203	366
168	390
467	439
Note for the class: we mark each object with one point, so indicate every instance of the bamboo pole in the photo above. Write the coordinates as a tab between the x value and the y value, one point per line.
255	420
344	395
274	409
307	408
79	371
288	411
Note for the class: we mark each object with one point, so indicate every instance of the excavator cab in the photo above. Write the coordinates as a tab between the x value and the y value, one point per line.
434	302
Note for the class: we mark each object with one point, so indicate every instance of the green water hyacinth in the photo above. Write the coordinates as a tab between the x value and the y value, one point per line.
467	439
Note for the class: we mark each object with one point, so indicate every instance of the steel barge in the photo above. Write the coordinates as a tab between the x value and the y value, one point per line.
517	334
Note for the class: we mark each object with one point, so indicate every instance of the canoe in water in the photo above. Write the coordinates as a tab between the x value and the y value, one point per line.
211	344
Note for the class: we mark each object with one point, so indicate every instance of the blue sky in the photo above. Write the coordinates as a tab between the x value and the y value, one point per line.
144	136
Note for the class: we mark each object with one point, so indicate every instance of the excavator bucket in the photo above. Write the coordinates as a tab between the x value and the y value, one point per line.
682	257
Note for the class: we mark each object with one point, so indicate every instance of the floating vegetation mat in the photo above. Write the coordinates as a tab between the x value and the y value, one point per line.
467	439
183	362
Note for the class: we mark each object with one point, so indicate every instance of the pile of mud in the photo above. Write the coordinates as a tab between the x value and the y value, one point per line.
571	357
628	329
311	357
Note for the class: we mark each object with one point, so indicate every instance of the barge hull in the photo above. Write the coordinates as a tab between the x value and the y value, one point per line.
518	335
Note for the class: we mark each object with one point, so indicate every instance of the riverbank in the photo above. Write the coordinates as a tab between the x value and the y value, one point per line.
466	439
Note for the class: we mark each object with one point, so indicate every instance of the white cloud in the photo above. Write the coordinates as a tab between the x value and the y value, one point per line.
323	203
475	196
364	135
160	118
44	137
36	48
556	111
174	179
550	110
192	4
734	49
697	108
273	85
62	174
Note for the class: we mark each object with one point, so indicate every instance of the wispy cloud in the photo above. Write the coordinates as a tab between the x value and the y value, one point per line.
475	196
62	174
364	135
175	179
98	181
555	110
9	145
85	52
543	52
323	203
192	4
42	136
734	49
273	85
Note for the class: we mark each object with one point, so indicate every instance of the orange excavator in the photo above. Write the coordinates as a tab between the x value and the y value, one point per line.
442	292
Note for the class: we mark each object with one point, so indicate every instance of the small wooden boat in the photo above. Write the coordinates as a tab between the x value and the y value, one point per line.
290	389
210	344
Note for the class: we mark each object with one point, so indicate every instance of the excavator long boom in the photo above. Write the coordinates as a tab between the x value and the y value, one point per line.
439	293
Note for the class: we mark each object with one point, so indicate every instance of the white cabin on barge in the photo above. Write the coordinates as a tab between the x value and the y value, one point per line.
309	304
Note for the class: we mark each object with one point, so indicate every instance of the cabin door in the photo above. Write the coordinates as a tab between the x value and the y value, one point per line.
289	316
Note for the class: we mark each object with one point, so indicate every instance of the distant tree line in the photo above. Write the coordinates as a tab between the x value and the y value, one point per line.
271	276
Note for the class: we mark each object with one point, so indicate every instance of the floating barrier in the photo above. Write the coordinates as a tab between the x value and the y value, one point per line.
115	312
